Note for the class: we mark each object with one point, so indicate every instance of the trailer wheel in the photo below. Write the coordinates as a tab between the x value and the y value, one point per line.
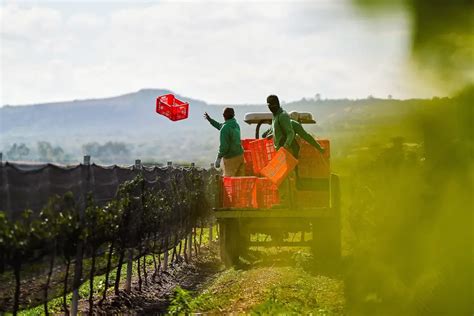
326	243
229	237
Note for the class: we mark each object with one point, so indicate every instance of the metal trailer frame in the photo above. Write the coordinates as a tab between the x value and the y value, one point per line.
237	224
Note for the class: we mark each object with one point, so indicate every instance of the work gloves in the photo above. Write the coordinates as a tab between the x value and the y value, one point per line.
217	164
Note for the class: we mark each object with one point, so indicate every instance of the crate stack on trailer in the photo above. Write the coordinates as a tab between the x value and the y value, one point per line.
253	190
313	175
266	169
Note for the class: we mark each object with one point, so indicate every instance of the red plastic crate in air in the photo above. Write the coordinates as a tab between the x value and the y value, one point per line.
172	108
266	193
238	191
262	152
313	164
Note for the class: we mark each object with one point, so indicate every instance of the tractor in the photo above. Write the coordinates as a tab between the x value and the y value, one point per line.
310	212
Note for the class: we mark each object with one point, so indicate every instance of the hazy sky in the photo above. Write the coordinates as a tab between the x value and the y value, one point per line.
220	52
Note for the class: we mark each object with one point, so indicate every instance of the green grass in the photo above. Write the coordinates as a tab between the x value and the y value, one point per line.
280	283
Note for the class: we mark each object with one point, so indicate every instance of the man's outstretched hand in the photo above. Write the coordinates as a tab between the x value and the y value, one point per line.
206	116
217	164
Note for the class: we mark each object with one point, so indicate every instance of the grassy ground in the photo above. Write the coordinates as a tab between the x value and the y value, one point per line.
267	281
276	281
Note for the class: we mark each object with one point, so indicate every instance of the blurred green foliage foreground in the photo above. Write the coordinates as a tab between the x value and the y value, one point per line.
409	209
408	215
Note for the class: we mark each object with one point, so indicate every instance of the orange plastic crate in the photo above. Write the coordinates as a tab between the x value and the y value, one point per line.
248	163
313	164
172	108
238	192
262	152
247	155
266	193
280	166
246	143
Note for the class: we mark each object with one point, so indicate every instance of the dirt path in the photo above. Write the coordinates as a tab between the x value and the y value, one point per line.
154	298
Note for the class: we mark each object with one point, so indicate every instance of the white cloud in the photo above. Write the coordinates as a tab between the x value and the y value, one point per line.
89	22
233	52
29	23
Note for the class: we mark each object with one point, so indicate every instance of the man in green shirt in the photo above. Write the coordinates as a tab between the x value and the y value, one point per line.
299	130
282	130
230	147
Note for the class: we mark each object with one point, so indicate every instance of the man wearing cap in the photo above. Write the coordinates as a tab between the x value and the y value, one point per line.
284	135
230	147
299	131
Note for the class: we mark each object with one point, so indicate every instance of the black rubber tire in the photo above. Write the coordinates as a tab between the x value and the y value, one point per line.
229	242
327	231
326	244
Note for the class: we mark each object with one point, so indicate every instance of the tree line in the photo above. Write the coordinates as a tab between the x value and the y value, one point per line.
46	152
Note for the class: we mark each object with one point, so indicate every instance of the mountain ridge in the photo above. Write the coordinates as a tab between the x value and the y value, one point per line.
131	118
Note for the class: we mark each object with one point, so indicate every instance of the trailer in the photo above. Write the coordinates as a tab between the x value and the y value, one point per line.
311	211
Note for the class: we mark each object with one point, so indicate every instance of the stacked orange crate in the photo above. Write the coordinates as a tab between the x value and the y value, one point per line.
314	166
238	192
247	155
265	193
262	152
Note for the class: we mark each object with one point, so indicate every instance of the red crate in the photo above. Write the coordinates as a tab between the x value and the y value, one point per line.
248	163
313	164
246	143
262	152
172	108
265	193
238	191
247	155
280	166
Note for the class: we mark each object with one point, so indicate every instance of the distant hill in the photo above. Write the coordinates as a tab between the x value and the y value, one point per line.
131	118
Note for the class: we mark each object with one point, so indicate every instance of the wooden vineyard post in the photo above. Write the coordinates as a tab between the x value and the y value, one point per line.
190	244
1	158
80	248
197	245
166	253
185	252
128	283
211	232
165	259
87	160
